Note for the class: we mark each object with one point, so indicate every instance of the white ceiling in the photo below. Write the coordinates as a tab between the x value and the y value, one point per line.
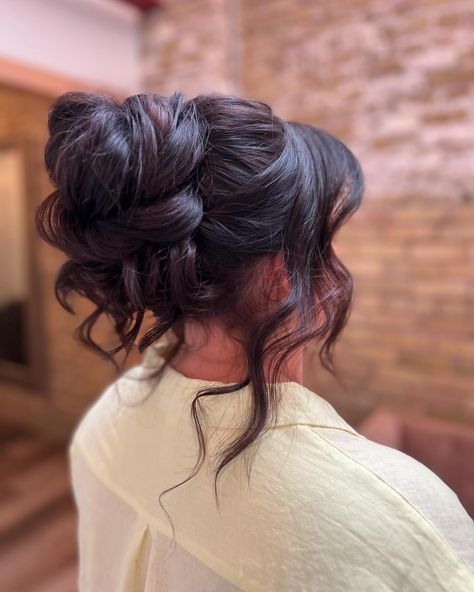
94	41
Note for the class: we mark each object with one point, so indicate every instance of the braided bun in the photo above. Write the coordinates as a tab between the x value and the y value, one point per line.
164	204
128	168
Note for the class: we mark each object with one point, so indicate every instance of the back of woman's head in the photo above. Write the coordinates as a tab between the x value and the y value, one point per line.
166	206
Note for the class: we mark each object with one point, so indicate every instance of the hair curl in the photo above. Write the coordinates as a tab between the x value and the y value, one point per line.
166	205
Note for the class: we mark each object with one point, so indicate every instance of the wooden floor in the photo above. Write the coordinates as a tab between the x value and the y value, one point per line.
38	549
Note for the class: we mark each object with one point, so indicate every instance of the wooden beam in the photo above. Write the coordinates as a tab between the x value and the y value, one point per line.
35	79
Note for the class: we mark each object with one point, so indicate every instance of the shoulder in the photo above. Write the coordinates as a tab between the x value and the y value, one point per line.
367	469
101	420
401	474
363	503
417	485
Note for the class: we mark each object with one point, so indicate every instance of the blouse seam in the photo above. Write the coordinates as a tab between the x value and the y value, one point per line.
316	425
425	519
349	430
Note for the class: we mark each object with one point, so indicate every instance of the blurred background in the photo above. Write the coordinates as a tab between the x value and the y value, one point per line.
393	79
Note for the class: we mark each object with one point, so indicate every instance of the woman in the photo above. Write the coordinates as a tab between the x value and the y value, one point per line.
209	466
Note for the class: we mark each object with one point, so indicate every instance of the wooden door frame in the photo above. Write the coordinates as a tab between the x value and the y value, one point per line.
29	405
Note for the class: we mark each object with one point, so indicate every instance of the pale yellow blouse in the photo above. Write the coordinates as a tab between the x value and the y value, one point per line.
326	509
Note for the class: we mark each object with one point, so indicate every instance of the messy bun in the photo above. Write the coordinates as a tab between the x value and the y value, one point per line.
165	205
126	189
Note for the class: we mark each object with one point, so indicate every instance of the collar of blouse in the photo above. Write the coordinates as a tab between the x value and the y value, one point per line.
298	404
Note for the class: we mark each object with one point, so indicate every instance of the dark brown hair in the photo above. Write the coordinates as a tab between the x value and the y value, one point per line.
166	205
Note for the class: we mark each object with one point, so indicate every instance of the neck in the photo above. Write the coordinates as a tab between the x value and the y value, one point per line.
212	354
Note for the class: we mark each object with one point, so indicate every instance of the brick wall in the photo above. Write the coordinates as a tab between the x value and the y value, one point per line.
409	342
191	46
395	80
